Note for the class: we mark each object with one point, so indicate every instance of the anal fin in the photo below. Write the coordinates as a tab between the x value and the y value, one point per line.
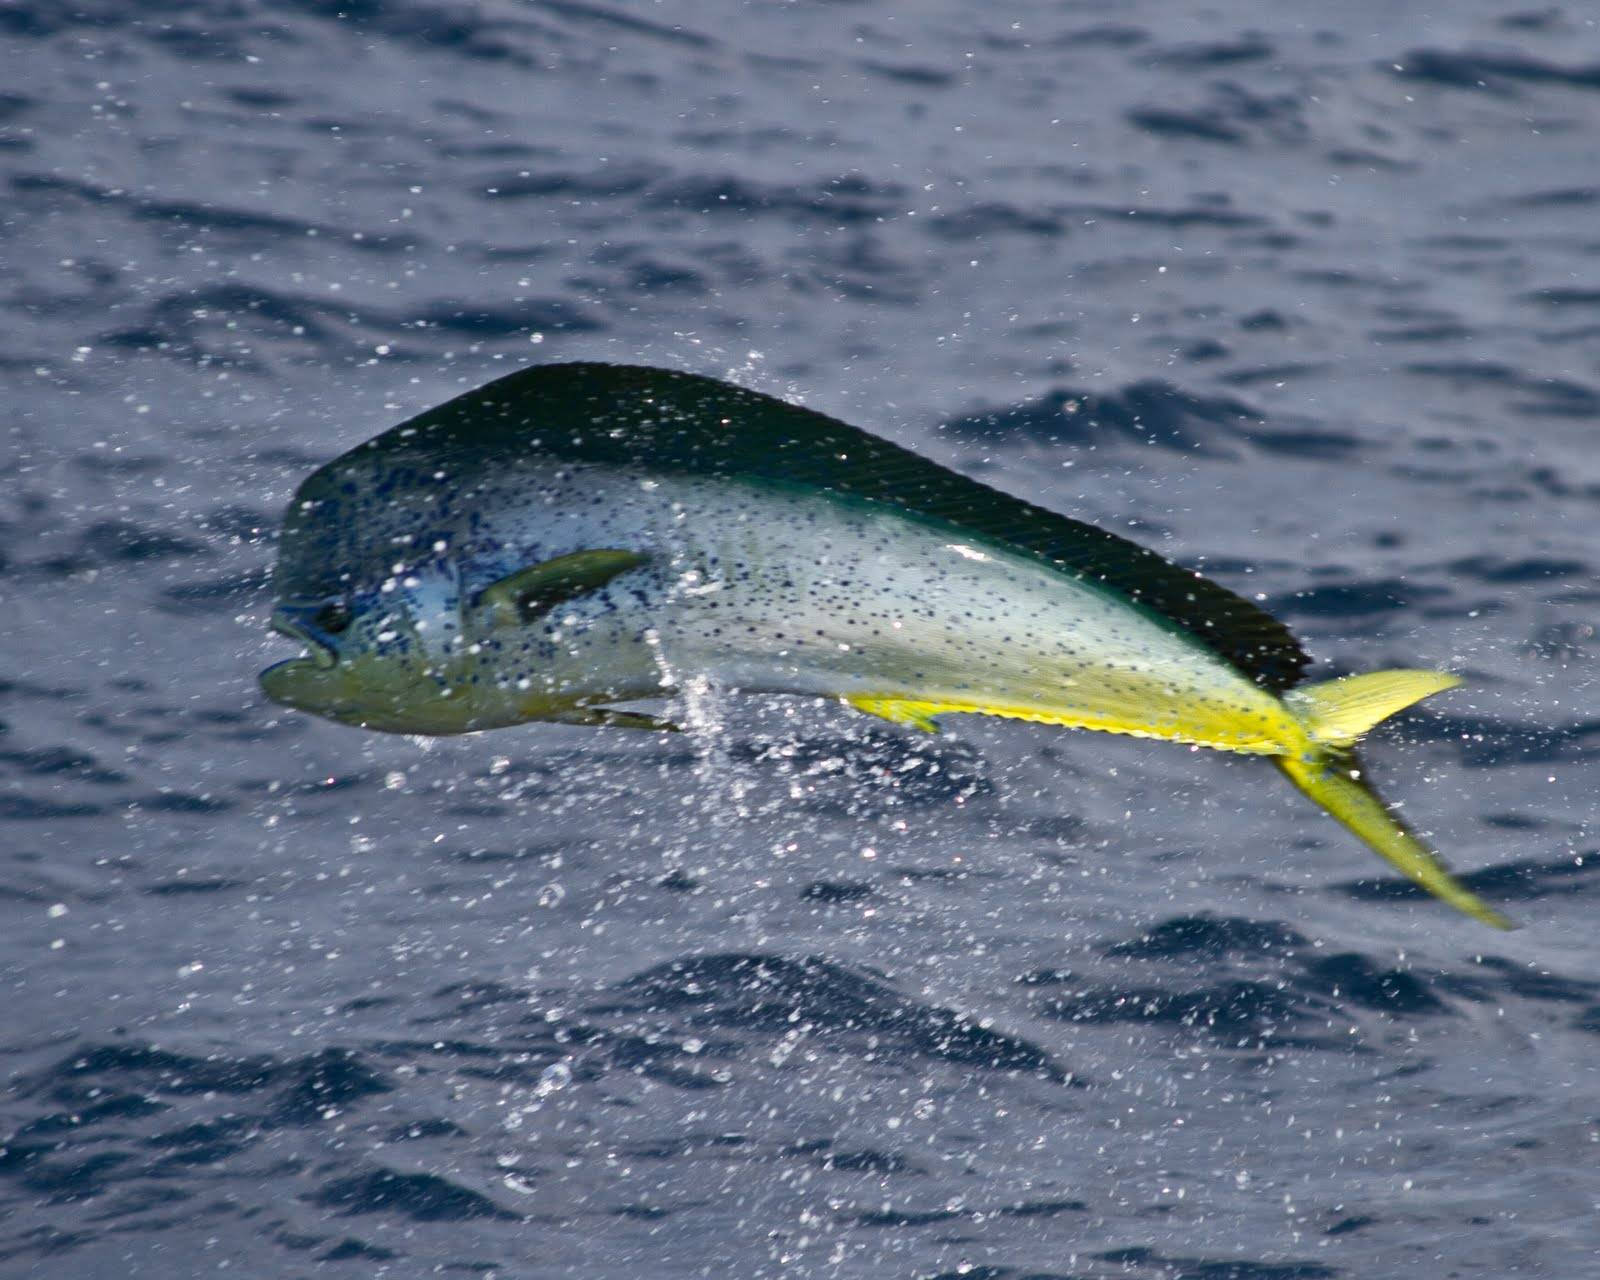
919	715
1128	705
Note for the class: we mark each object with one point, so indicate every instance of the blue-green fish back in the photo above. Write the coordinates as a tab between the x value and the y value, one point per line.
666	421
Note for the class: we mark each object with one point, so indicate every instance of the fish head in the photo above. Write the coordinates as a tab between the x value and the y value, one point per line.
390	660
368	583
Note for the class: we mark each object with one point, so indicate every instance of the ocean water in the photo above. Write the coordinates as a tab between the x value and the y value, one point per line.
1305	296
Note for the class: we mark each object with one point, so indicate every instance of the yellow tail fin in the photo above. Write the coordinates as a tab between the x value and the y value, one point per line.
1335	783
1337	712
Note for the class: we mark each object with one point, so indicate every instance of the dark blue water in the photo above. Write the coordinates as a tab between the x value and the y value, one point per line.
1306	295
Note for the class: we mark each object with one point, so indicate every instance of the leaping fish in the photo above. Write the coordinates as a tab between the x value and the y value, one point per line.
576	536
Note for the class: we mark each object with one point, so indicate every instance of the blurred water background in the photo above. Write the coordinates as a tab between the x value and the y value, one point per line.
1305	295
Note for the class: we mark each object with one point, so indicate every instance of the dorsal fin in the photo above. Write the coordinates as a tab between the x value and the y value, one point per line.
671	421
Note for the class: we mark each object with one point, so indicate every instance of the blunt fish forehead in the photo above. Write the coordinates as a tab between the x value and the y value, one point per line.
364	515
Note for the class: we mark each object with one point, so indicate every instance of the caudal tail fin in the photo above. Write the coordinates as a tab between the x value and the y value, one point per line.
1336	714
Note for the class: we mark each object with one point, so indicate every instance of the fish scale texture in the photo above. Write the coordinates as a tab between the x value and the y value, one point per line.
1300	302
666	420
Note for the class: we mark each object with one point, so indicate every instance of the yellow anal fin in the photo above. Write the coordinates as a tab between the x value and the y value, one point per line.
1211	726
1336	784
1337	712
919	715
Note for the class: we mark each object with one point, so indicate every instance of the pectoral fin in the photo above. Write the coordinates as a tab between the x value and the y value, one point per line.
520	597
605	717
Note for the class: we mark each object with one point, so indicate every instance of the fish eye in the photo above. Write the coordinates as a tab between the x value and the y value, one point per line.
333	617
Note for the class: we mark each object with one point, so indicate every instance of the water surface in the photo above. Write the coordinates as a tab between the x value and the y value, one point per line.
1311	301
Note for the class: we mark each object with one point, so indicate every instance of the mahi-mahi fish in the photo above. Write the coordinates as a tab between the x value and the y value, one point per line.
576	536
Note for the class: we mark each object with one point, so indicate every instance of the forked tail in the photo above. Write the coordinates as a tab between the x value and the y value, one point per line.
1335	715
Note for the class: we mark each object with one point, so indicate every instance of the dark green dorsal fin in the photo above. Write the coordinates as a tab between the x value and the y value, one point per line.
522	596
664	420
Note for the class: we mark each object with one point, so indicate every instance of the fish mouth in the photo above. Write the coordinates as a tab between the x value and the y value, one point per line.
320	652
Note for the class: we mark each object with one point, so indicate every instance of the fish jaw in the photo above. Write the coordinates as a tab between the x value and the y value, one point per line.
430	708
350	693
407	690
375	673
303	684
